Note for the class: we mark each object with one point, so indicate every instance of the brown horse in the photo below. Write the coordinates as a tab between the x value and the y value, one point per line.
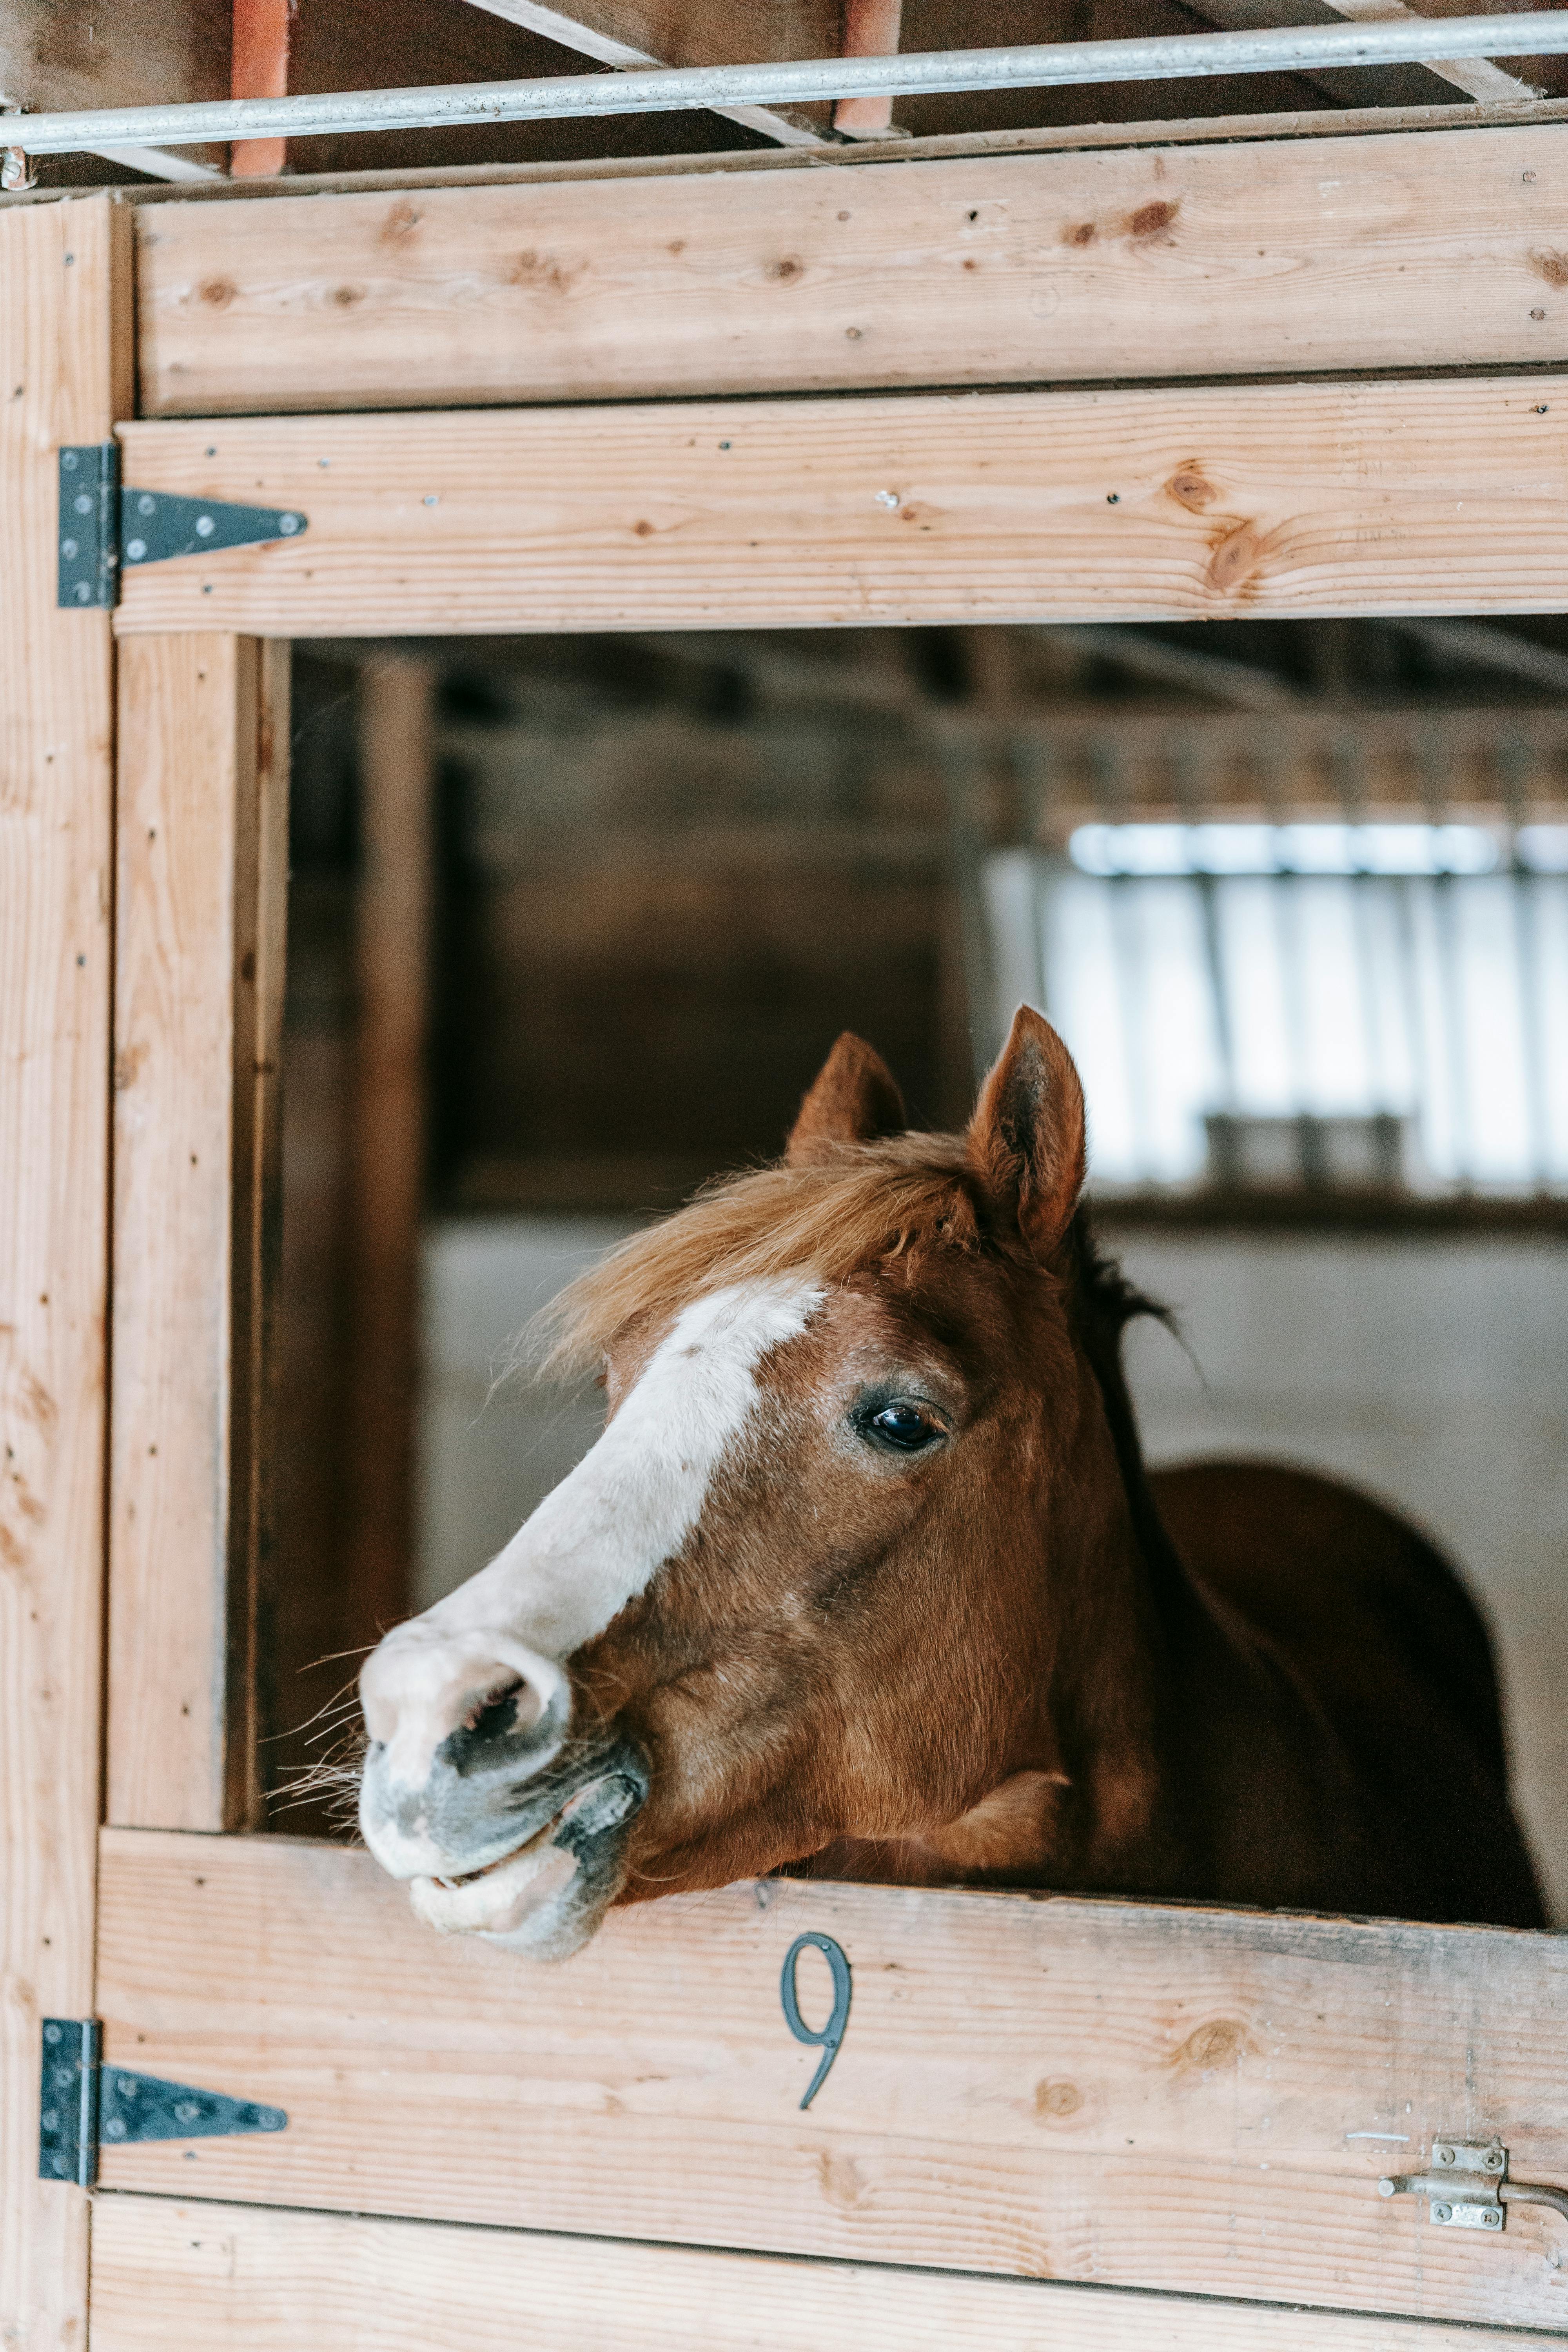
865	1578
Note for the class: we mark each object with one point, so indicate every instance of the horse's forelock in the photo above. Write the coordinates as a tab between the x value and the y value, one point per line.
861	1204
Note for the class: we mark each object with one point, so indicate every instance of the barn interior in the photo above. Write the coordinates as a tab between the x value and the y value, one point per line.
575	920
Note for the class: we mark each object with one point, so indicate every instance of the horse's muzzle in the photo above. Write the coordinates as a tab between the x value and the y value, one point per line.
528	1858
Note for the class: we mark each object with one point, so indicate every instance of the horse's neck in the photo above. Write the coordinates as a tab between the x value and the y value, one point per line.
1186	1705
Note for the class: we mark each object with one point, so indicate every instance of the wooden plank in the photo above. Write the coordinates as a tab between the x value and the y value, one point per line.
65	354
201	863
1125	2093
1184	502
392	923
168	2273
1420	250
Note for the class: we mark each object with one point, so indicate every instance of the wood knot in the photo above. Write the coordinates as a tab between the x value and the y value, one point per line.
1154	218
1236	557
1082	233
840	2181
345	296
1221	2042
215	292
1191	486
787	269
1547	264
1056	2099
400	222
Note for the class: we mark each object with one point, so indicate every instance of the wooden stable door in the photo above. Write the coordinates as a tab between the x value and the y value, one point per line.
1035	2089
1045	2121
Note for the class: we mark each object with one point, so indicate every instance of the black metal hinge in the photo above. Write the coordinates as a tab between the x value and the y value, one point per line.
83	2103
105	528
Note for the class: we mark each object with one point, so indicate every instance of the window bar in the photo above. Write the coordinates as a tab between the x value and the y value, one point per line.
1288	932
1513	762
1348	768
1108	771
1446	912
1033	762
960	763
1194	793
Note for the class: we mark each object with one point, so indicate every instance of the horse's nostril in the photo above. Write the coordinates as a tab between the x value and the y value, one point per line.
502	1708
495	1711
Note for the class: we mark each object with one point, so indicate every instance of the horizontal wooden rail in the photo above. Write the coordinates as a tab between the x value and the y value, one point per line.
1178	502
1432	249
1120	2092
170	2273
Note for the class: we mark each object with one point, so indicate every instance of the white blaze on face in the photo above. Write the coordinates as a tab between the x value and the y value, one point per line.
597	1539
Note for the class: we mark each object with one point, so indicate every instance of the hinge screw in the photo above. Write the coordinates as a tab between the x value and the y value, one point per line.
1445	2155
1442	2212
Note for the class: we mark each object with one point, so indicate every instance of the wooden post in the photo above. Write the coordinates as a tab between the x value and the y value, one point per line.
65	377
386	1187
870	30
259	69
202	872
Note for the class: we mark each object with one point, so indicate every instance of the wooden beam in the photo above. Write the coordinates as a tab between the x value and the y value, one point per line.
684	33
1476	76
70	54
1432	249
65	364
1122	2093
870	30
178	2274
259	68
1182	503
202	868
1479	78
392	924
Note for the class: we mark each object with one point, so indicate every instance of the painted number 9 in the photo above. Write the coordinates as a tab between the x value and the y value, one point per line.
832	2034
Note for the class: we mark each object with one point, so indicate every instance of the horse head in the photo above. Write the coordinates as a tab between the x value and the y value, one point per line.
812	1598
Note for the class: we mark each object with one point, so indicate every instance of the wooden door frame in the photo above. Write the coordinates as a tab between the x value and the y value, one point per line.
1200	506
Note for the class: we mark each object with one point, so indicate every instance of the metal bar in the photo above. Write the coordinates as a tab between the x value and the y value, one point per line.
1054	65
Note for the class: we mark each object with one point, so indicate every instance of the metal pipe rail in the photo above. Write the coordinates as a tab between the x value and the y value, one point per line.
669	90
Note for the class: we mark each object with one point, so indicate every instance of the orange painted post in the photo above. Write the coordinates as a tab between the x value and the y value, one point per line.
259	69
870	30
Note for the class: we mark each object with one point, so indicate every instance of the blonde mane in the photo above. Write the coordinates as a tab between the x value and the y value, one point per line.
856	1205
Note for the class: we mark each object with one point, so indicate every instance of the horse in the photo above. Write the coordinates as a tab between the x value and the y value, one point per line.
865	1579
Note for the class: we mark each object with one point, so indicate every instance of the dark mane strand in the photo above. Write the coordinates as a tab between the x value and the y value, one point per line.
1104	1303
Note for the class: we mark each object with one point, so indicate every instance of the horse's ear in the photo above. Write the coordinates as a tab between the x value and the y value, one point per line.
854	1099
1026	1137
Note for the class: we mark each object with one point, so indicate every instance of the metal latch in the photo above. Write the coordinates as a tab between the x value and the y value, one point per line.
1468	2187
104	527
82	2103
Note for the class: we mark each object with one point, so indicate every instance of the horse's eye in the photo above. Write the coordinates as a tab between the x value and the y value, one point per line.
903	1425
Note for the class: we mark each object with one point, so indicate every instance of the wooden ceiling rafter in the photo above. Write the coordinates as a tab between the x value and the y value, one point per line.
631	33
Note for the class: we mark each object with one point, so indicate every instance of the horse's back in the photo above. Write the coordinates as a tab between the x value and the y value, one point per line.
1379	1628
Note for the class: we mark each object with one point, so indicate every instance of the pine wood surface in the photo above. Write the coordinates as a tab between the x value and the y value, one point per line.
202	864
1419	249
1180	502
1120	2093
65	278
168	2273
